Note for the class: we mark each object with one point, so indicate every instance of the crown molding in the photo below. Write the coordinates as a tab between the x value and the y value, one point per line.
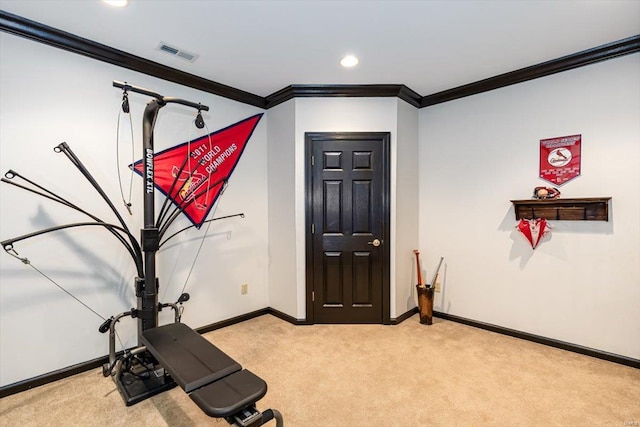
569	62
337	91
36	31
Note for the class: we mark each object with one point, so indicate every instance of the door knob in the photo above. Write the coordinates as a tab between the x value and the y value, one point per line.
376	242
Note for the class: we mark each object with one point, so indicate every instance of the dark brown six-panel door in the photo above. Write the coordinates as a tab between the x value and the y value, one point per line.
348	211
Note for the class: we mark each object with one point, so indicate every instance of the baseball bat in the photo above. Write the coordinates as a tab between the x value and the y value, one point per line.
420	280
435	275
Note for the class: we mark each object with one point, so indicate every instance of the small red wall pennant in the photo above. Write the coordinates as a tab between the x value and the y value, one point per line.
560	159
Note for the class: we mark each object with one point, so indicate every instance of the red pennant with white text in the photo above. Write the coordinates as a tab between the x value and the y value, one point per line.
193	174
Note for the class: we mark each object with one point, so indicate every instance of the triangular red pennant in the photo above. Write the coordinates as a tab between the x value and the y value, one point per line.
193	174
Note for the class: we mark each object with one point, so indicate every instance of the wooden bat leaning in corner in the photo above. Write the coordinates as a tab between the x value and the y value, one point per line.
435	275
420	280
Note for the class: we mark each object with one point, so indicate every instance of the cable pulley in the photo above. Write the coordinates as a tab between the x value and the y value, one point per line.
199	120
125	102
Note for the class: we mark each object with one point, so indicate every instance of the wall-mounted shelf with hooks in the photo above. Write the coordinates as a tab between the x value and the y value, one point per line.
583	209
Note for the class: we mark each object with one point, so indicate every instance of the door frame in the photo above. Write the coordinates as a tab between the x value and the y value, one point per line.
385	140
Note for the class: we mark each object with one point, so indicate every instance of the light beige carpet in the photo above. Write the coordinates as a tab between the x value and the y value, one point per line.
446	374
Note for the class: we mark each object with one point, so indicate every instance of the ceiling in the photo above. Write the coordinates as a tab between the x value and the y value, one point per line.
263	46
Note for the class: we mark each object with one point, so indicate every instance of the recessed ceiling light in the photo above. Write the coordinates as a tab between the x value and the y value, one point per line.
116	3
349	61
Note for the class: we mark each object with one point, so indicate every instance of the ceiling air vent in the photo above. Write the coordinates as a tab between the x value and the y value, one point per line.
175	51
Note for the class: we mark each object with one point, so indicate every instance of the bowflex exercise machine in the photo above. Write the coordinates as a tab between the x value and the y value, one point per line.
175	354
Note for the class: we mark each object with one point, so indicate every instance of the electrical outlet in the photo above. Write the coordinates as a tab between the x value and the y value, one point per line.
438	286
244	289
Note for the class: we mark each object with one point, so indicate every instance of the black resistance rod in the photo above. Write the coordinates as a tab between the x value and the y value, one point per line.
135	251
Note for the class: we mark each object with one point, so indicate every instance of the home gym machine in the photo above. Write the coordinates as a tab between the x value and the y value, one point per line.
171	354
175	352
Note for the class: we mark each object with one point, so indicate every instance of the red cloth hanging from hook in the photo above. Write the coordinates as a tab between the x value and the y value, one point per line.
533	230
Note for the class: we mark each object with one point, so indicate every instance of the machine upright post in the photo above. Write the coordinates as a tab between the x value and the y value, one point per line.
148	298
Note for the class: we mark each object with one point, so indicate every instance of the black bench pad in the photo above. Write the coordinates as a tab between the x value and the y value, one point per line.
230	395
189	358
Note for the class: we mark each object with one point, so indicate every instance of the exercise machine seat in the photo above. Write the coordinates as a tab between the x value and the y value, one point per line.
213	380
190	359
230	395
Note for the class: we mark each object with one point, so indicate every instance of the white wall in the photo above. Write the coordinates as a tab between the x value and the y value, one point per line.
50	96
340	115
582	284
287	189
406	207
283	292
